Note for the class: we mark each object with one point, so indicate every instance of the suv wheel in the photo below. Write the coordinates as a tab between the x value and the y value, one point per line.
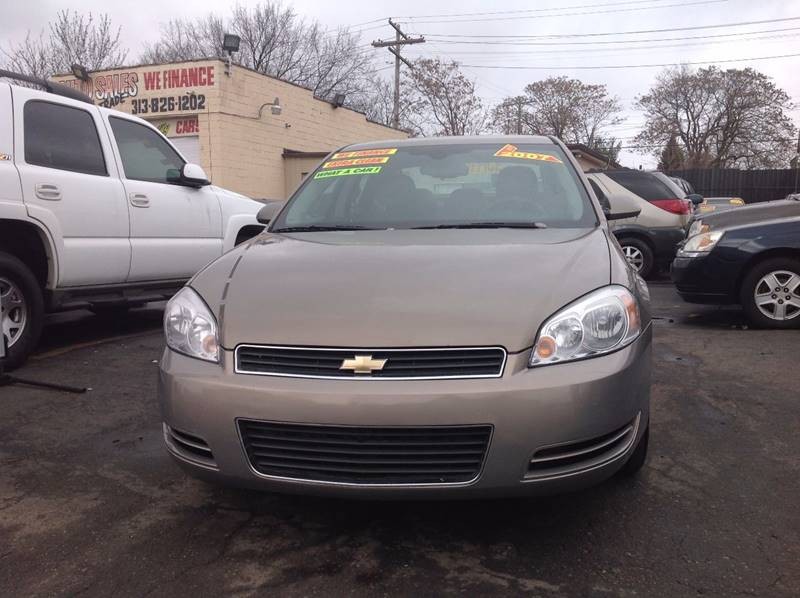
770	293
23	310
639	255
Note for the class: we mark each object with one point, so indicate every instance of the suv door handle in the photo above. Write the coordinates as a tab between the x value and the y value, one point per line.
47	191
139	200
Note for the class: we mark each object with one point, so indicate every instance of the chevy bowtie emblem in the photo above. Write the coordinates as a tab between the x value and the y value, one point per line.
363	364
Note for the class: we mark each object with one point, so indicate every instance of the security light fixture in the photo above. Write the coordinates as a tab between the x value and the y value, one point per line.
80	72
230	43
275	107
338	100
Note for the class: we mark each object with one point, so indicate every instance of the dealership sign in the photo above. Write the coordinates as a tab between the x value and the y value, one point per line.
152	90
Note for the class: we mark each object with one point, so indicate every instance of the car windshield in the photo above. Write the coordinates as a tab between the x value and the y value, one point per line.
441	186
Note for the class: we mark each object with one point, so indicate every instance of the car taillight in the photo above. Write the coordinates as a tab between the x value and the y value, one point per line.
675	206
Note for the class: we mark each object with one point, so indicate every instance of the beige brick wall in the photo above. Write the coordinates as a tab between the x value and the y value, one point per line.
239	150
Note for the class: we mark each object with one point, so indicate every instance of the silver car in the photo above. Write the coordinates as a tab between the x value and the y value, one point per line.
429	317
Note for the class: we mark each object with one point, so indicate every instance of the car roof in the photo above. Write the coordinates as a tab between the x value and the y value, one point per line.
461	140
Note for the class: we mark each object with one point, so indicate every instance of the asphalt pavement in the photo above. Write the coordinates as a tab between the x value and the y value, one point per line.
92	505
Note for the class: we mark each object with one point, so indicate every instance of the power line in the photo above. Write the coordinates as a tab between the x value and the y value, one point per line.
618	41
604	34
568	14
626	49
625	66
527	11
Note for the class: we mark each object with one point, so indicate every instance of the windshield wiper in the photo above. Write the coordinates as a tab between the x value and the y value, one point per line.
314	228
487	225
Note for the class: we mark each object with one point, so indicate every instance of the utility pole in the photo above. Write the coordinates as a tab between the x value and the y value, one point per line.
400	39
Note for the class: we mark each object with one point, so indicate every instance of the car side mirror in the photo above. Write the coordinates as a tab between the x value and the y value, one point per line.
267	213
190	175
621	207
695	198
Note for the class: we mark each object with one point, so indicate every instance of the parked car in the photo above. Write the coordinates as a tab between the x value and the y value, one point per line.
98	210
718	204
749	256
649	240
684	185
434	317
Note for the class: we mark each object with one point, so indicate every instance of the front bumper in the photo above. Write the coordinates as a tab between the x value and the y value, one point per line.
527	408
704	279
666	241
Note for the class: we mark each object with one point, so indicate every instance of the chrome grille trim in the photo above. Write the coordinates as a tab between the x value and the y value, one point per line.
560	461
188	448
351	352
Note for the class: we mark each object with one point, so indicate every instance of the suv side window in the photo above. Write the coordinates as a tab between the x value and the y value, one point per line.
62	137
644	184
144	153
601	196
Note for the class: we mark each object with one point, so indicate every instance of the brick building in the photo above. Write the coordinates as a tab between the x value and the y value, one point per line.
227	122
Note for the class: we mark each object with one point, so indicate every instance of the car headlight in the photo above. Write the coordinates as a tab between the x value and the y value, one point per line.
190	327
700	243
602	321
697	227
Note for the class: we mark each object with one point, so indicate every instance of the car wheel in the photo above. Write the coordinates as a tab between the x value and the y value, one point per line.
639	255
639	456
23	310
770	293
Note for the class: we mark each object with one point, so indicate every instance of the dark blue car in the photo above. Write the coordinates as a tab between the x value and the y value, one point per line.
749	256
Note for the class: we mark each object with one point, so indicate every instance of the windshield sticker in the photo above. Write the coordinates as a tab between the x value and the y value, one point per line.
324	174
366	153
355	162
511	151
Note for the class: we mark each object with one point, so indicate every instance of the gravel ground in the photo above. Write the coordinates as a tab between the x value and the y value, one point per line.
90	503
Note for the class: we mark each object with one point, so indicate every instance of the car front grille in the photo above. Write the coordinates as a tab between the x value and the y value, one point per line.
573	457
366	455
189	447
425	364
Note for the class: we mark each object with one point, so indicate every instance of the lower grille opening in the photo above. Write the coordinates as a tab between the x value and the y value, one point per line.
366	455
583	454
189	446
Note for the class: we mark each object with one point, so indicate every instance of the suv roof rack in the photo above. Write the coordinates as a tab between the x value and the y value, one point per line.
49	86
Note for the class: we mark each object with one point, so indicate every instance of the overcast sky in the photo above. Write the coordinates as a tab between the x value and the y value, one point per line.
140	22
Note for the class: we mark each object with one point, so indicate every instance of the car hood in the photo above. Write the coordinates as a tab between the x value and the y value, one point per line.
236	203
752	214
403	288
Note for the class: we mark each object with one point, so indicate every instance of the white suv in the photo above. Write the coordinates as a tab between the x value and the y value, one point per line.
650	240
98	210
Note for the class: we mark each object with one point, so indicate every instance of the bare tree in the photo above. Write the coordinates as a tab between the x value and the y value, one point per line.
72	38
609	146
277	42
725	119
377	101
512	116
571	110
186	40
441	100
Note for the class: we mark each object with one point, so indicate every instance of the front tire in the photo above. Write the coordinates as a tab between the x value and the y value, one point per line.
770	293
23	310
639	255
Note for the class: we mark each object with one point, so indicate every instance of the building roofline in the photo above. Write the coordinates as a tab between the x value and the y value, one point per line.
599	156
241	66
